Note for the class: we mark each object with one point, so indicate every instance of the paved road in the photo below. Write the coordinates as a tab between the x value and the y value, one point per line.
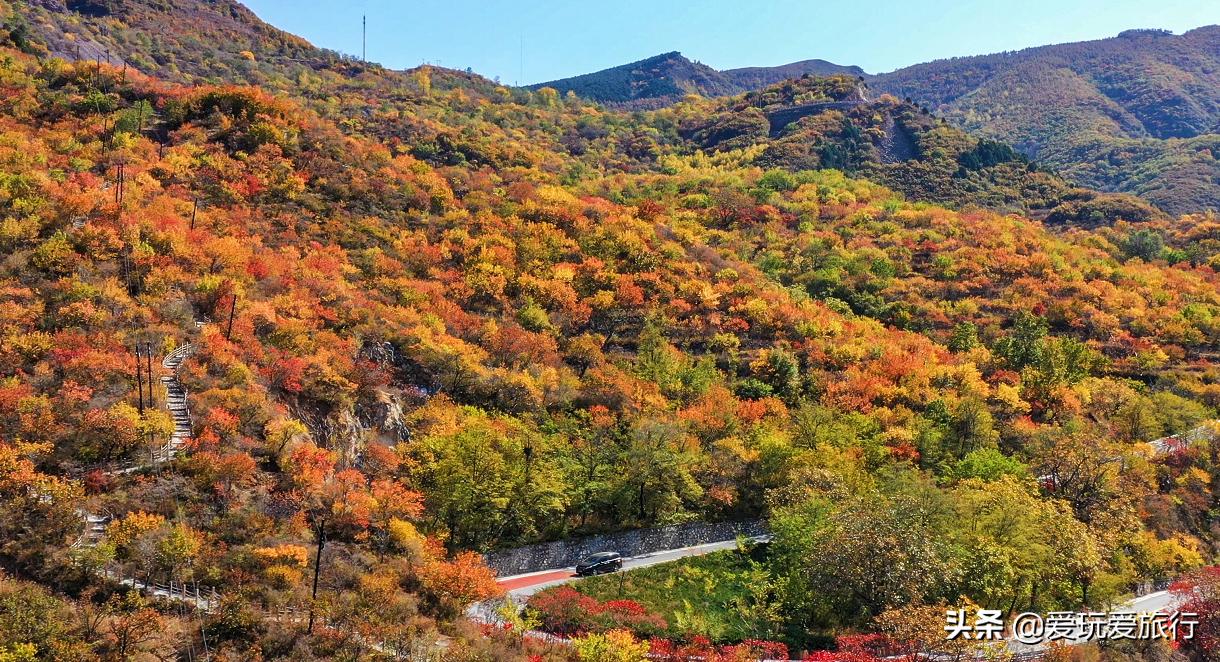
521	587
1159	601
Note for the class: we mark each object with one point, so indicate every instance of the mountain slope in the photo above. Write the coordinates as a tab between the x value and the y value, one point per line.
670	76
753	78
489	125
1140	84
812	123
1138	112
217	41
665	76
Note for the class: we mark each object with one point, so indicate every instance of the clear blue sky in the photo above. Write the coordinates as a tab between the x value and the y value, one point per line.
568	38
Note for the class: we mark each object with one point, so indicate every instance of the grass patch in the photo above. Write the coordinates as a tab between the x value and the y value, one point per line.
724	596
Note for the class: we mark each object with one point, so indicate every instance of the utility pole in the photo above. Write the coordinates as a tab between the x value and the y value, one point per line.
139	380
194	208
317	570
152	399
232	311
364	38
120	181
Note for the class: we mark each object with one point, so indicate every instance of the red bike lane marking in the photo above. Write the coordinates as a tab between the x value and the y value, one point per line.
522	582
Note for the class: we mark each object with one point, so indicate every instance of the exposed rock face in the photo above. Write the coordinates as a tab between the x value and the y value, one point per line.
897	145
78	46
387	416
350	429
50	5
380	419
347	435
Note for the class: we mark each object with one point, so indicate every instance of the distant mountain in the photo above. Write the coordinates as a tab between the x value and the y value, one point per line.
812	123
753	78
191	41
670	76
1140	84
1138	112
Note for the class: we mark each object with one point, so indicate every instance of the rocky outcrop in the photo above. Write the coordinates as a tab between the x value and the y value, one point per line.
897	145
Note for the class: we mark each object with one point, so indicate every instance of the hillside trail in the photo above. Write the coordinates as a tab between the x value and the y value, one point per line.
896	146
175	402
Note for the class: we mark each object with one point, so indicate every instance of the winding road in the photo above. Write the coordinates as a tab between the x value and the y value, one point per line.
521	587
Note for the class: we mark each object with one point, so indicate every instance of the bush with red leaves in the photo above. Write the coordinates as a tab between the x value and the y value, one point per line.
700	648
1200	594
857	648
565	610
876	645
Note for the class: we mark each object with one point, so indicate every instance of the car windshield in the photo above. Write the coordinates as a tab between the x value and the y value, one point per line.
604	556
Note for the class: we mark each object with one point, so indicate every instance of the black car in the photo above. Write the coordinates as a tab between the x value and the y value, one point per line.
596	564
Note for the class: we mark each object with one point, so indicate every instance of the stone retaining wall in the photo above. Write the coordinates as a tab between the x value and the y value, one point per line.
565	553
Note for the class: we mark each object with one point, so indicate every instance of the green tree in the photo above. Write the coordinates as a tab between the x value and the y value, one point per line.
846	563
965	337
1145	244
490	481
1025	342
987	464
655	479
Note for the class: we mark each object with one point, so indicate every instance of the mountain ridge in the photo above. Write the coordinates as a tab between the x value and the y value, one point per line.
1135	113
809	122
669	76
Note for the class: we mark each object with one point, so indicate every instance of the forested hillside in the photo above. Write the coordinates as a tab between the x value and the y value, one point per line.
826	122
429	316
666	78
1137	113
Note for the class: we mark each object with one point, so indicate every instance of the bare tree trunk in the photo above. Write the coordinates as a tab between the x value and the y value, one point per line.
317	571
641	501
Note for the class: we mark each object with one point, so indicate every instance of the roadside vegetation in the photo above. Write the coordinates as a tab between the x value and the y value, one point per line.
712	596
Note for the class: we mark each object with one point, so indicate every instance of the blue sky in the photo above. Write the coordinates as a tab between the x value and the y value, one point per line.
560	39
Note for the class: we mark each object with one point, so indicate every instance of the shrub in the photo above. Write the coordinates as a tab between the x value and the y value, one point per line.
700	648
564	610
